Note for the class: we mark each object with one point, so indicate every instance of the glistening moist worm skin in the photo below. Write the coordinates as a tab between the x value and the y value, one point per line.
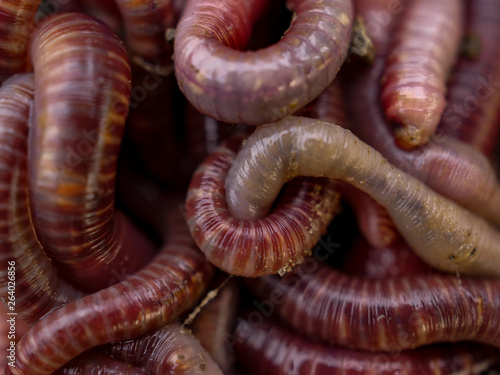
254	248
82	85
281	352
38	288
96	363
256	87
146	301
383	314
445	235
474	90
419	60
171	350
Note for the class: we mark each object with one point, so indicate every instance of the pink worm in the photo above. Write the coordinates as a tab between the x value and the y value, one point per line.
74	148
254	248
282	352
420	57
35	286
383	314
473	93
96	363
171	350
256	87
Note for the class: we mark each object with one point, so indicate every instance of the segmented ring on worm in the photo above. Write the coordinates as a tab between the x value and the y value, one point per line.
377	314
74	150
255	247
255	87
422	53
171	350
38	287
282	352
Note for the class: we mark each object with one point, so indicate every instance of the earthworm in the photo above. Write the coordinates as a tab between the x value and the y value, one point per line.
214	324
74	148
394	260
254	248
171	350
145	23
255	87
282	352
473	92
30	286
383	314
373	219
105	11
146	301
96	363
450	167
422	53
445	235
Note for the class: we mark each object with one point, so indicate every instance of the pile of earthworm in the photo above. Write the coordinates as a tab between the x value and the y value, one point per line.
250	187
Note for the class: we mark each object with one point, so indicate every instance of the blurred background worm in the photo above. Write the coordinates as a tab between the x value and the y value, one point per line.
256	87
75	140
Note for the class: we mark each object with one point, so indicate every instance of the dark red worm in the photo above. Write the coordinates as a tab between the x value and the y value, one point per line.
171	350
256	87
422	53
215	322
384	314
141	303
96	363
474	89
394	260
373	219
74	148
30	286
281	352
255	247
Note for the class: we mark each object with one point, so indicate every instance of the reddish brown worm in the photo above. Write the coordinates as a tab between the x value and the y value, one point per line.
450	167
395	260
422	53
96	363
215	322
171	350
145	23
255	247
74	148
373	219
474	90
281	352
445	235
383	314
30	286
256	87
141	303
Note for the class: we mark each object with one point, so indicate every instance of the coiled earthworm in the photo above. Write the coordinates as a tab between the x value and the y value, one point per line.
32	286
394	260
450	167
96	363
474	90
139	304
383	314
373	219
281	352
74	149
256	87
171	350
215	322
422	53
255	247
445	235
